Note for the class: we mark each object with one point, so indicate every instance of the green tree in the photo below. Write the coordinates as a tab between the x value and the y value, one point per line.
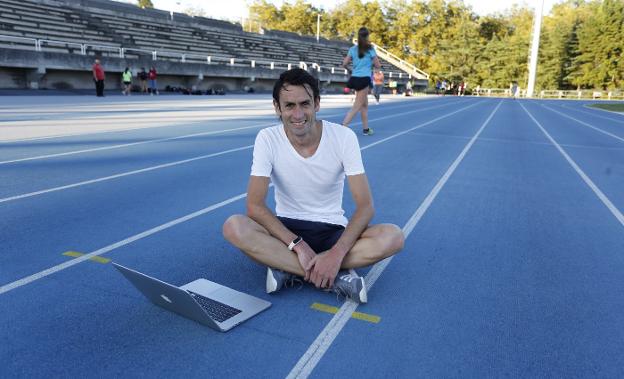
299	17
612	43
582	41
505	56
589	65
459	46
145	4
266	14
559	45
348	17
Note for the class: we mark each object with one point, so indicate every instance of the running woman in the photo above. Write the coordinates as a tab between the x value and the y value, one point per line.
364	58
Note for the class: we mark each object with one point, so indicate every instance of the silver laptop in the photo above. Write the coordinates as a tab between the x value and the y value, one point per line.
209	303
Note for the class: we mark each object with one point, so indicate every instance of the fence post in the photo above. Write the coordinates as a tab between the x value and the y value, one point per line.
121	52
183	58
154	55
232	61
289	66
208	59
253	64
83	49
272	65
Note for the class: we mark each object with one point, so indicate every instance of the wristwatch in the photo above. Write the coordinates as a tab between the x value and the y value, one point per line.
294	243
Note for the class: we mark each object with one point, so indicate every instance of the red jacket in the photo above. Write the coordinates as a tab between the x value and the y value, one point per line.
98	72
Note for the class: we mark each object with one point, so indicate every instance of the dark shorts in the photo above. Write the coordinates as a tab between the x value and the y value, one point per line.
319	235
127	83
358	83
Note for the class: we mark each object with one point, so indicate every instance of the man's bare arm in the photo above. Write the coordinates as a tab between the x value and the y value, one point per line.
260	213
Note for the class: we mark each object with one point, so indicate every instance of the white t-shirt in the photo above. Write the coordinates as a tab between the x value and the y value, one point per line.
308	188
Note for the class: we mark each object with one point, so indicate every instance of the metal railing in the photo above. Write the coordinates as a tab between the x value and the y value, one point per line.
553	94
400	63
34	41
582	94
185	57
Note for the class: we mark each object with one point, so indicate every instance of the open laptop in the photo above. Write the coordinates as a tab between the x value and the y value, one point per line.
206	302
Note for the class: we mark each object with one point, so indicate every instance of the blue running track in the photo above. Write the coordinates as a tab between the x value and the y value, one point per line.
513	264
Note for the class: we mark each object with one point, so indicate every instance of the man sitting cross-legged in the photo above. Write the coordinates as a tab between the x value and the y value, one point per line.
307	161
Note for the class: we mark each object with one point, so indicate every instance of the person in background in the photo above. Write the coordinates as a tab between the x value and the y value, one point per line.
514	90
98	78
126	78
153	84
378	82
408	88
364	58
143	79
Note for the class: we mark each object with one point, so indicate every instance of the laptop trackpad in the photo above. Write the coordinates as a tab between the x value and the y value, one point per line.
203	287
215	291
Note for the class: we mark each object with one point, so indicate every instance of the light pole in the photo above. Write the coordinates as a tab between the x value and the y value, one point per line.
318	26
535	47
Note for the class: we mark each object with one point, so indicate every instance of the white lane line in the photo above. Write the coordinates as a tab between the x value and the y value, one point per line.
132	144
147	169
166	139
586	106
401	104
315	352
86	134
594	112
605	200
63	266
583	123
51	270
128	173
421	125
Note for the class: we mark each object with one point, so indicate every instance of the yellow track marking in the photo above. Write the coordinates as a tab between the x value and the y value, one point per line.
357	315
76	254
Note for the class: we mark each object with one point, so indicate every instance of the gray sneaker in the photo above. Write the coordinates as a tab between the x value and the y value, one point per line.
351	286
276	279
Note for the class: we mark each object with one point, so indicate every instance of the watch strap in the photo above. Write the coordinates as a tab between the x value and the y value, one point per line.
294	243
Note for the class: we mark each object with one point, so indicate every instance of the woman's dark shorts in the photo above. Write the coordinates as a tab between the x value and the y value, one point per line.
319	235
358	83
127	83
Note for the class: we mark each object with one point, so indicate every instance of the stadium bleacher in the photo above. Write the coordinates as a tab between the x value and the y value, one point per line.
120	31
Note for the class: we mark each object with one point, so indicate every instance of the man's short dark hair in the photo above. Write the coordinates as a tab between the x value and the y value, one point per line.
296	77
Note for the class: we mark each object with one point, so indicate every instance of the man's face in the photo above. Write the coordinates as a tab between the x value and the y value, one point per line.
297	109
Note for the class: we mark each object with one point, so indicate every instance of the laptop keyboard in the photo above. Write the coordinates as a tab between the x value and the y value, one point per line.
216	310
